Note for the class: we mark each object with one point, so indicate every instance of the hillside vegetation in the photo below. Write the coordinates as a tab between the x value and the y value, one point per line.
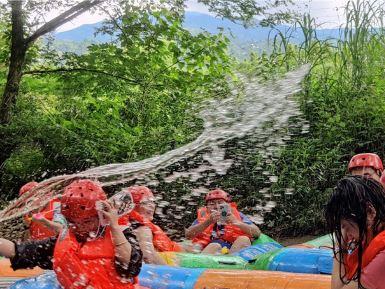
136	97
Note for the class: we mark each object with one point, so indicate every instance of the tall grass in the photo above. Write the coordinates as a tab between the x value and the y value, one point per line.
344	103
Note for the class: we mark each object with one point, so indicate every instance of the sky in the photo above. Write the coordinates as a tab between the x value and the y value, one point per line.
329	13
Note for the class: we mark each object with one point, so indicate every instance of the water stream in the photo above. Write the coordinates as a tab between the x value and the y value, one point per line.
260	111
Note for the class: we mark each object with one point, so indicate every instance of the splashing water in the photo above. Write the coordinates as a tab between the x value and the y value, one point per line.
227	119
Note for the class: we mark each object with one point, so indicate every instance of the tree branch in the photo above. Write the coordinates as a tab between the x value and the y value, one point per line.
59	70
63	18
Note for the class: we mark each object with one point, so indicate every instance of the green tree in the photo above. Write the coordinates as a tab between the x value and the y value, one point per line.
27	25
119	102
22	38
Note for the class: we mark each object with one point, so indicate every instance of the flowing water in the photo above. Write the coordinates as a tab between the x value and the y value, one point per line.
259	112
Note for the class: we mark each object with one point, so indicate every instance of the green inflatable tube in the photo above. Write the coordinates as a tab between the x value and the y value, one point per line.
188	260
324	241
261	262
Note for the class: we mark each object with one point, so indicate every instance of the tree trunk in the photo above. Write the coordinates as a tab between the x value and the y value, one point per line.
20	46
11	89
18	52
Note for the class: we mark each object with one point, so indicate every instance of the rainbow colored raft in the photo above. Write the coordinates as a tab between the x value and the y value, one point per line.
167	277
207	271
266	254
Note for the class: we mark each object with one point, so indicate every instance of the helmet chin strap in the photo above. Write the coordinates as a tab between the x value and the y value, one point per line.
99	232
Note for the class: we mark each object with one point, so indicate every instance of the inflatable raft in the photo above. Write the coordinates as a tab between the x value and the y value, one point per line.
166	277
314	257
8	276
302	266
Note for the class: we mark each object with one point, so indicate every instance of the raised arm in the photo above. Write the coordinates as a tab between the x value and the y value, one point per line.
195	230
127	251
29	254
52	225
7	248
250	229
245	225
145	238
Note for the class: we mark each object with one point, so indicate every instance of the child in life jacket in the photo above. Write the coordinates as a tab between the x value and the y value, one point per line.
152	239
355	217
86	254
44	223
220	225
366	164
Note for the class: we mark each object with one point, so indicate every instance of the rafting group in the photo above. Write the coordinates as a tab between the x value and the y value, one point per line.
90	244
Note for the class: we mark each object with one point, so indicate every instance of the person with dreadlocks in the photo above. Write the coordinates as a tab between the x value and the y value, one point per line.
355	216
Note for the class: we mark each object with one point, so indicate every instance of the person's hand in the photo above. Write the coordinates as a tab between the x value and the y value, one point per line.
110	214
231	219
214	217
38	217
27	220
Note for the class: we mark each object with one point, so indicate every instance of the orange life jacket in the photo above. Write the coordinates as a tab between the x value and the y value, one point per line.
39	231
90	265
229	234
375	246
161	241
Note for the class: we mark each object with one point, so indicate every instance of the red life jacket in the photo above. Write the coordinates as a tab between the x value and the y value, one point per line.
375	246
90	265
230	234
161	241
39	231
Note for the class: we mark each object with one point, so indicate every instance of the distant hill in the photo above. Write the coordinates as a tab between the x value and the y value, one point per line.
242	39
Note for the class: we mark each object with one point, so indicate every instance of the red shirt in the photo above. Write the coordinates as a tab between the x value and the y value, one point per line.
372	276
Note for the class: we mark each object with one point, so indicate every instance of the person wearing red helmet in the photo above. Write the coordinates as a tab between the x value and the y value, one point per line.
44	223
27	187
219	225
152	239
86	254
366	164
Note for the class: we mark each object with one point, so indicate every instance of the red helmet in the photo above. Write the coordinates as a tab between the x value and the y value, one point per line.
27	187
366	160
140	193
79	199
216	195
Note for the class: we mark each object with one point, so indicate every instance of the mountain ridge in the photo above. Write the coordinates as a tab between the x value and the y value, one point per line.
193	20
243	40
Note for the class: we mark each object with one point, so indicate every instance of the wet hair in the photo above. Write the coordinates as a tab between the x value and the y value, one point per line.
350	201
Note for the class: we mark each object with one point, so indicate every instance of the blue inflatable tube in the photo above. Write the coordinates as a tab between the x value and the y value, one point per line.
251	252
45	281
151	276
298	260
166	277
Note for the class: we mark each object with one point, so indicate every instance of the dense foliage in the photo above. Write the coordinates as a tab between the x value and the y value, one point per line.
135	97
343	102
119	102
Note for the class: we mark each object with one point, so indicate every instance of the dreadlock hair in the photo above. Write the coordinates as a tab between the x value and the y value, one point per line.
350	201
